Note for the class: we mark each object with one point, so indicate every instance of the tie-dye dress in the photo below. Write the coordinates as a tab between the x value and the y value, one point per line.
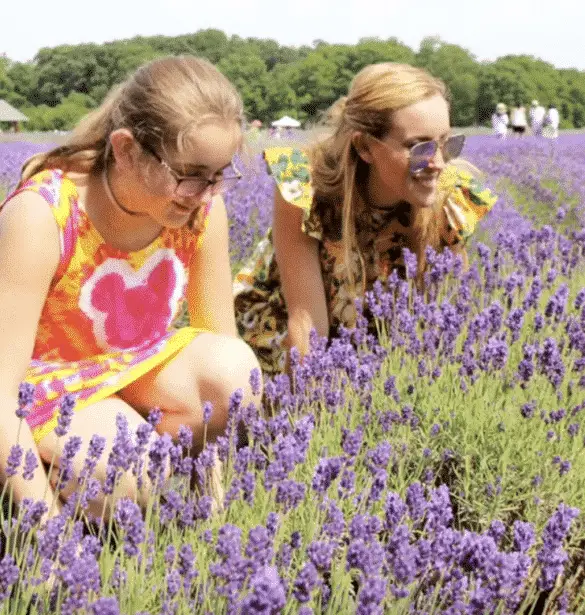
108	317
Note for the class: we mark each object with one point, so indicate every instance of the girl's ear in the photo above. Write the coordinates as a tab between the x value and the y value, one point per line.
124	148
360	141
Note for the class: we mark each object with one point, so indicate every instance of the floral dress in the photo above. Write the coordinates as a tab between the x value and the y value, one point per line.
108	317
381	236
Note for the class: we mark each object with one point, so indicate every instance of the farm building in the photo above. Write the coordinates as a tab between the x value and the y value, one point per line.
10	115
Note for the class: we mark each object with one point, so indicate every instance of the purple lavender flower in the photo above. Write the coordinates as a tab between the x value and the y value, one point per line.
14	460
66	472
416	502
259	548
307	580
256	381
410	262
351	442
65	415
391	390
439	511
267	594
186	566
551	363
155	416
26	393
395	510
320	553
326	472
290	494
129	517
105	606
524	536
551	556
30	465
9	575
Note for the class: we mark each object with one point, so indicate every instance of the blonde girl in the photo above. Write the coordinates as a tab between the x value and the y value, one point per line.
100	244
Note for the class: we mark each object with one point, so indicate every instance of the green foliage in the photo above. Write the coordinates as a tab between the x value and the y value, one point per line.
274	79
63	116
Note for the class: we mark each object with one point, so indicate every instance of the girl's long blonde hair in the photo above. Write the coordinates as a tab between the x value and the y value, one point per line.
162	103
374	94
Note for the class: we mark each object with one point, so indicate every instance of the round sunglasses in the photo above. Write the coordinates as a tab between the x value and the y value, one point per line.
195	185
421	154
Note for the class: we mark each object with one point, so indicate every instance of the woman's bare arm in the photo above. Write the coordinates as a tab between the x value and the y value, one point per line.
297	256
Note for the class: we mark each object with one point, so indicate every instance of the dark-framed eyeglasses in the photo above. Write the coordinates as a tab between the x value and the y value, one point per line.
421	154
191	185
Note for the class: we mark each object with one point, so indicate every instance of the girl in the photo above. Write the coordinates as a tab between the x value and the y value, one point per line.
100	243
344	212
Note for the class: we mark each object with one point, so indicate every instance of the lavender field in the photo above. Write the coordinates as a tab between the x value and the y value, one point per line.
437	467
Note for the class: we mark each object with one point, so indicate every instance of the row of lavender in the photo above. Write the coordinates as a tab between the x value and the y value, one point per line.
435	467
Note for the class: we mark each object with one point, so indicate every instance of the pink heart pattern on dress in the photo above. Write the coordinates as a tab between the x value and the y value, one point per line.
130	308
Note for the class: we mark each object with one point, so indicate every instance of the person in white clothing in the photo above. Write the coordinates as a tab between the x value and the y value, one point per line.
500	121
536	114
518	120
551	122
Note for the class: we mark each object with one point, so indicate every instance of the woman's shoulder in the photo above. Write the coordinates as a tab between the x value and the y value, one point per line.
291	171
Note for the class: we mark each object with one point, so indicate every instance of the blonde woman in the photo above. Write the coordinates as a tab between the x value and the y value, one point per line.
100	243
344	210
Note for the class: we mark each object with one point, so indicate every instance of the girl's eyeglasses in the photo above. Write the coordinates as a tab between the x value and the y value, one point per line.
421	154
190	185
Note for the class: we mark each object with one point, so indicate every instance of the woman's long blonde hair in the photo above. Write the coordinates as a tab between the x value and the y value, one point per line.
374	94
162	103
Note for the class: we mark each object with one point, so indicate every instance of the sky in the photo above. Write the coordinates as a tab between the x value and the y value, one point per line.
552	31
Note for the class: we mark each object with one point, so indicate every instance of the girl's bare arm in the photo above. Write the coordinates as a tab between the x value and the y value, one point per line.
29	256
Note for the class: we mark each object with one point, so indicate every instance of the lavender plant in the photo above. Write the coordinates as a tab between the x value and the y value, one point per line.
428	461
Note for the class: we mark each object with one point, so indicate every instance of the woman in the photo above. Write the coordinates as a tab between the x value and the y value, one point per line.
344	212
100	244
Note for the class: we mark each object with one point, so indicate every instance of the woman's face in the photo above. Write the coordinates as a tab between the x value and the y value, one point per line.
390	179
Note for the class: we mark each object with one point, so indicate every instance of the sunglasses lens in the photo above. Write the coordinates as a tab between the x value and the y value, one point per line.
454	146
421	154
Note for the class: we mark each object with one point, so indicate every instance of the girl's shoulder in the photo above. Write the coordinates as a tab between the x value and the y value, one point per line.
53	186
291	171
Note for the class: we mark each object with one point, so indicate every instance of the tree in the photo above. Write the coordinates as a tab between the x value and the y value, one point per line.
458	68
248	73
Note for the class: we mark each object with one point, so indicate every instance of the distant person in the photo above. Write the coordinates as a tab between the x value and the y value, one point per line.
536	114
387	177
518	119
101	242
500	121
551	122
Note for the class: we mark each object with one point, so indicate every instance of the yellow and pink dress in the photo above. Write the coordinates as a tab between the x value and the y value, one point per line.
108	317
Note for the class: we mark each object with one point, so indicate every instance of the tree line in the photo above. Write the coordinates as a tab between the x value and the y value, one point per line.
62	83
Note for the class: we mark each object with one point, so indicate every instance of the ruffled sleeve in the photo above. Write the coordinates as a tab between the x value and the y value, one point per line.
290	168
466	202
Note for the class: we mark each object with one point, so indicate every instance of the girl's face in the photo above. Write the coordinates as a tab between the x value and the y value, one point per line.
391	178
170	189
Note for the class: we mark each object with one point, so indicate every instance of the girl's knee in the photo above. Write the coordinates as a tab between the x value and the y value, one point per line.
231	367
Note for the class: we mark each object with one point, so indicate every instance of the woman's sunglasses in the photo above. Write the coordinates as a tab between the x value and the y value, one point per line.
421	154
